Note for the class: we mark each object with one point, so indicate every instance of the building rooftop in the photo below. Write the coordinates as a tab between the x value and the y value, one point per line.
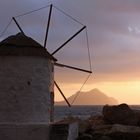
22	45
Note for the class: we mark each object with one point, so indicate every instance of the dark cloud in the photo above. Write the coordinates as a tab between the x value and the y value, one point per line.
113	28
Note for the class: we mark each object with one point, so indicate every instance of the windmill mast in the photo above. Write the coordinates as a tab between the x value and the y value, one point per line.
48	26
18	25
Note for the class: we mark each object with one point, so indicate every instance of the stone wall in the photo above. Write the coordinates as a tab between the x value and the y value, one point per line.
25	84
64	131
24	132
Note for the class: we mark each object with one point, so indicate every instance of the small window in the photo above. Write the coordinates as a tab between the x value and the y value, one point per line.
29	83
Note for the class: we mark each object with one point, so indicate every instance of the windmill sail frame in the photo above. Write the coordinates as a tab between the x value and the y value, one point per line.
59	48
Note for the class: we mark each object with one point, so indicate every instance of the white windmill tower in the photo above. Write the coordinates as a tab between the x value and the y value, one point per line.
27	81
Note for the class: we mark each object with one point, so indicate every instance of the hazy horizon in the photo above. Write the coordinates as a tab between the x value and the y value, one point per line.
120	100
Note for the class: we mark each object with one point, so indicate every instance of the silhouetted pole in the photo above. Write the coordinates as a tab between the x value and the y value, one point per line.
48	25
18	25
62	94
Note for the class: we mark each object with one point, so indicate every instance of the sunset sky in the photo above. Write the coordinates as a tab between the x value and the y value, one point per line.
114	40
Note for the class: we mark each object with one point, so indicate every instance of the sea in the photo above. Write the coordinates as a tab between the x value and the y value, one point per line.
83	112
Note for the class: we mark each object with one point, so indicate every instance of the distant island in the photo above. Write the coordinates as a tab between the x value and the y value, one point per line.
92	97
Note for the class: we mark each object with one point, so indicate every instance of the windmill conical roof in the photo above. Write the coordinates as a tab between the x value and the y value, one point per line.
20	44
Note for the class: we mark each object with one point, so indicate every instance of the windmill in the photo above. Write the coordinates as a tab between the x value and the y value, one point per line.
56	63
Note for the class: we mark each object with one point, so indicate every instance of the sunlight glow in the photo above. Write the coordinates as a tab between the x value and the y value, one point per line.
124	92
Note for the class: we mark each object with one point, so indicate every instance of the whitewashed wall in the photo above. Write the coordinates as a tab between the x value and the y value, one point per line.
25	83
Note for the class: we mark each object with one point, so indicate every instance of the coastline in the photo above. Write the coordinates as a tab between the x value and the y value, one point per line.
114	123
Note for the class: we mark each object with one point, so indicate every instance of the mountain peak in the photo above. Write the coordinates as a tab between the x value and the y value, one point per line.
92	97
95	90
